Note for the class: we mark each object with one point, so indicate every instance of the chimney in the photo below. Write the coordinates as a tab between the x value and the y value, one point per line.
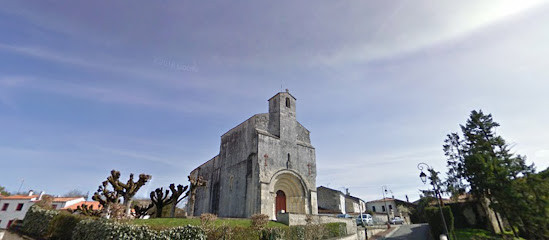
407	198
347	192
31	193
41	195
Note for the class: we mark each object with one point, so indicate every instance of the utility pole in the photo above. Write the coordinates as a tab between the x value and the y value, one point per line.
383	191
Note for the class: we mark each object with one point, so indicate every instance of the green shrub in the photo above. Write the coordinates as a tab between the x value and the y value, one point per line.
62	225
37	221
103	229
433	218
332	230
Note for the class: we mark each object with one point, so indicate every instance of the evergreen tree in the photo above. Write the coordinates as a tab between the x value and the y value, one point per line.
481	161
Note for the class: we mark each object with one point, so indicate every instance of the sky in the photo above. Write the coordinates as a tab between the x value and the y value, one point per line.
150	86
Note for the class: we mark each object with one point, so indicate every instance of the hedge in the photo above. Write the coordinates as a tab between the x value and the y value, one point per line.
435	222
62	225
313	231
333	230
37	221
103	229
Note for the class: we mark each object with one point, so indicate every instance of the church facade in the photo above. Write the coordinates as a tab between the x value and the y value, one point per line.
265	165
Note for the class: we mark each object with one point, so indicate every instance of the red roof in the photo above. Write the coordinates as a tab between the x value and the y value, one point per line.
18	197
93	204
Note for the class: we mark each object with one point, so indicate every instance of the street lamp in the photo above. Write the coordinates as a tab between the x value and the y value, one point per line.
423	177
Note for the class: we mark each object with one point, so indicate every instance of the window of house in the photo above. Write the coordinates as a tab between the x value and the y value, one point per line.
19	207
54	206
5	207
383	208
287	102
390	207
373	208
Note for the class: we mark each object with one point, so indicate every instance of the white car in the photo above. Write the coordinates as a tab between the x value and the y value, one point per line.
397	220
364	219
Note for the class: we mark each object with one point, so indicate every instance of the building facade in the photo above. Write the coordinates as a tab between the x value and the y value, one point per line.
331	201
265	165
15	207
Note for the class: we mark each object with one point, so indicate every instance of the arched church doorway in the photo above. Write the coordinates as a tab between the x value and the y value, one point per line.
288	186
280	201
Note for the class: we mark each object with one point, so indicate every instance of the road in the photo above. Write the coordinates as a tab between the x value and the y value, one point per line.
411	232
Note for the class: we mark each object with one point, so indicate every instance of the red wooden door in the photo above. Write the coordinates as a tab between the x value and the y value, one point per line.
280	201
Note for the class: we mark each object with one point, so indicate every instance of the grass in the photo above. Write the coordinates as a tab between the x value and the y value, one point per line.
478	234
163	223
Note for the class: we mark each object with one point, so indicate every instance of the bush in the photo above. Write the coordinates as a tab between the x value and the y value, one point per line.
433	218
62	225
103	229
260	221
37	221
332	230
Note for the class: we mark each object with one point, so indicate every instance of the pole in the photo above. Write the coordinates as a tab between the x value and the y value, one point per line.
437	193
440	209
385	202
20	186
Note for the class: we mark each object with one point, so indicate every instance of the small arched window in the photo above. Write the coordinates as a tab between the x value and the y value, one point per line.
288	163
287	102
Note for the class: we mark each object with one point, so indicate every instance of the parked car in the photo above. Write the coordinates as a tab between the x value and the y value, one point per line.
344	216
397	220
364	219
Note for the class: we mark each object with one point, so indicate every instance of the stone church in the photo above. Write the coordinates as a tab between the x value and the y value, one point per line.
265	165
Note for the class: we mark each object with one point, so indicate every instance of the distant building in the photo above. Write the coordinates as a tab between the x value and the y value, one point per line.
94	205
15	207
265	165
331	201
390	205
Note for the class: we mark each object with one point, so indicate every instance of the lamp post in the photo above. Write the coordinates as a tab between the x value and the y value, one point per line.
384	190
423	177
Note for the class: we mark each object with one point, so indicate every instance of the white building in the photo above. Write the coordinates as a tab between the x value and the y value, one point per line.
15	207
381	207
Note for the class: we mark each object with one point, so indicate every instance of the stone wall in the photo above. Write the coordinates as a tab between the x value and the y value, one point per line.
330	199
292	219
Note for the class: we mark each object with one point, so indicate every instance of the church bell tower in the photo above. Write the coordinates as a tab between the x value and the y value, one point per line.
282	116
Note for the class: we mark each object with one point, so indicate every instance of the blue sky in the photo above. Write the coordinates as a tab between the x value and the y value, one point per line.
150	86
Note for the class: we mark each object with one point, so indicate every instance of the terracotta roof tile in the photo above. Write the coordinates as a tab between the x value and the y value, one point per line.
93	204
18	197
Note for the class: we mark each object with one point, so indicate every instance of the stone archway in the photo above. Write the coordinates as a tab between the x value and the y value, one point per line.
293	188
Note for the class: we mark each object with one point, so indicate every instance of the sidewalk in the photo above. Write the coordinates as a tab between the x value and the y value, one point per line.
387	233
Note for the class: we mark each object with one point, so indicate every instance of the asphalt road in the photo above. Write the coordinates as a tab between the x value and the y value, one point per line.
411	232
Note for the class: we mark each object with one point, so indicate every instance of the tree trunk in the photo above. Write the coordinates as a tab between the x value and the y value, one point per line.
174	206
127	206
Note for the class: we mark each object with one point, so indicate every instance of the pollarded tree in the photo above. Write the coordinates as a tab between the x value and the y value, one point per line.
160	199
106	197
195	183
176	196
127	190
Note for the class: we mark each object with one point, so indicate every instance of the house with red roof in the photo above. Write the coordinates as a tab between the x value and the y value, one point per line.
16	206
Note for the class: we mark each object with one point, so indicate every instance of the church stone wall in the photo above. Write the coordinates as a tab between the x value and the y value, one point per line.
238	153
240	179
